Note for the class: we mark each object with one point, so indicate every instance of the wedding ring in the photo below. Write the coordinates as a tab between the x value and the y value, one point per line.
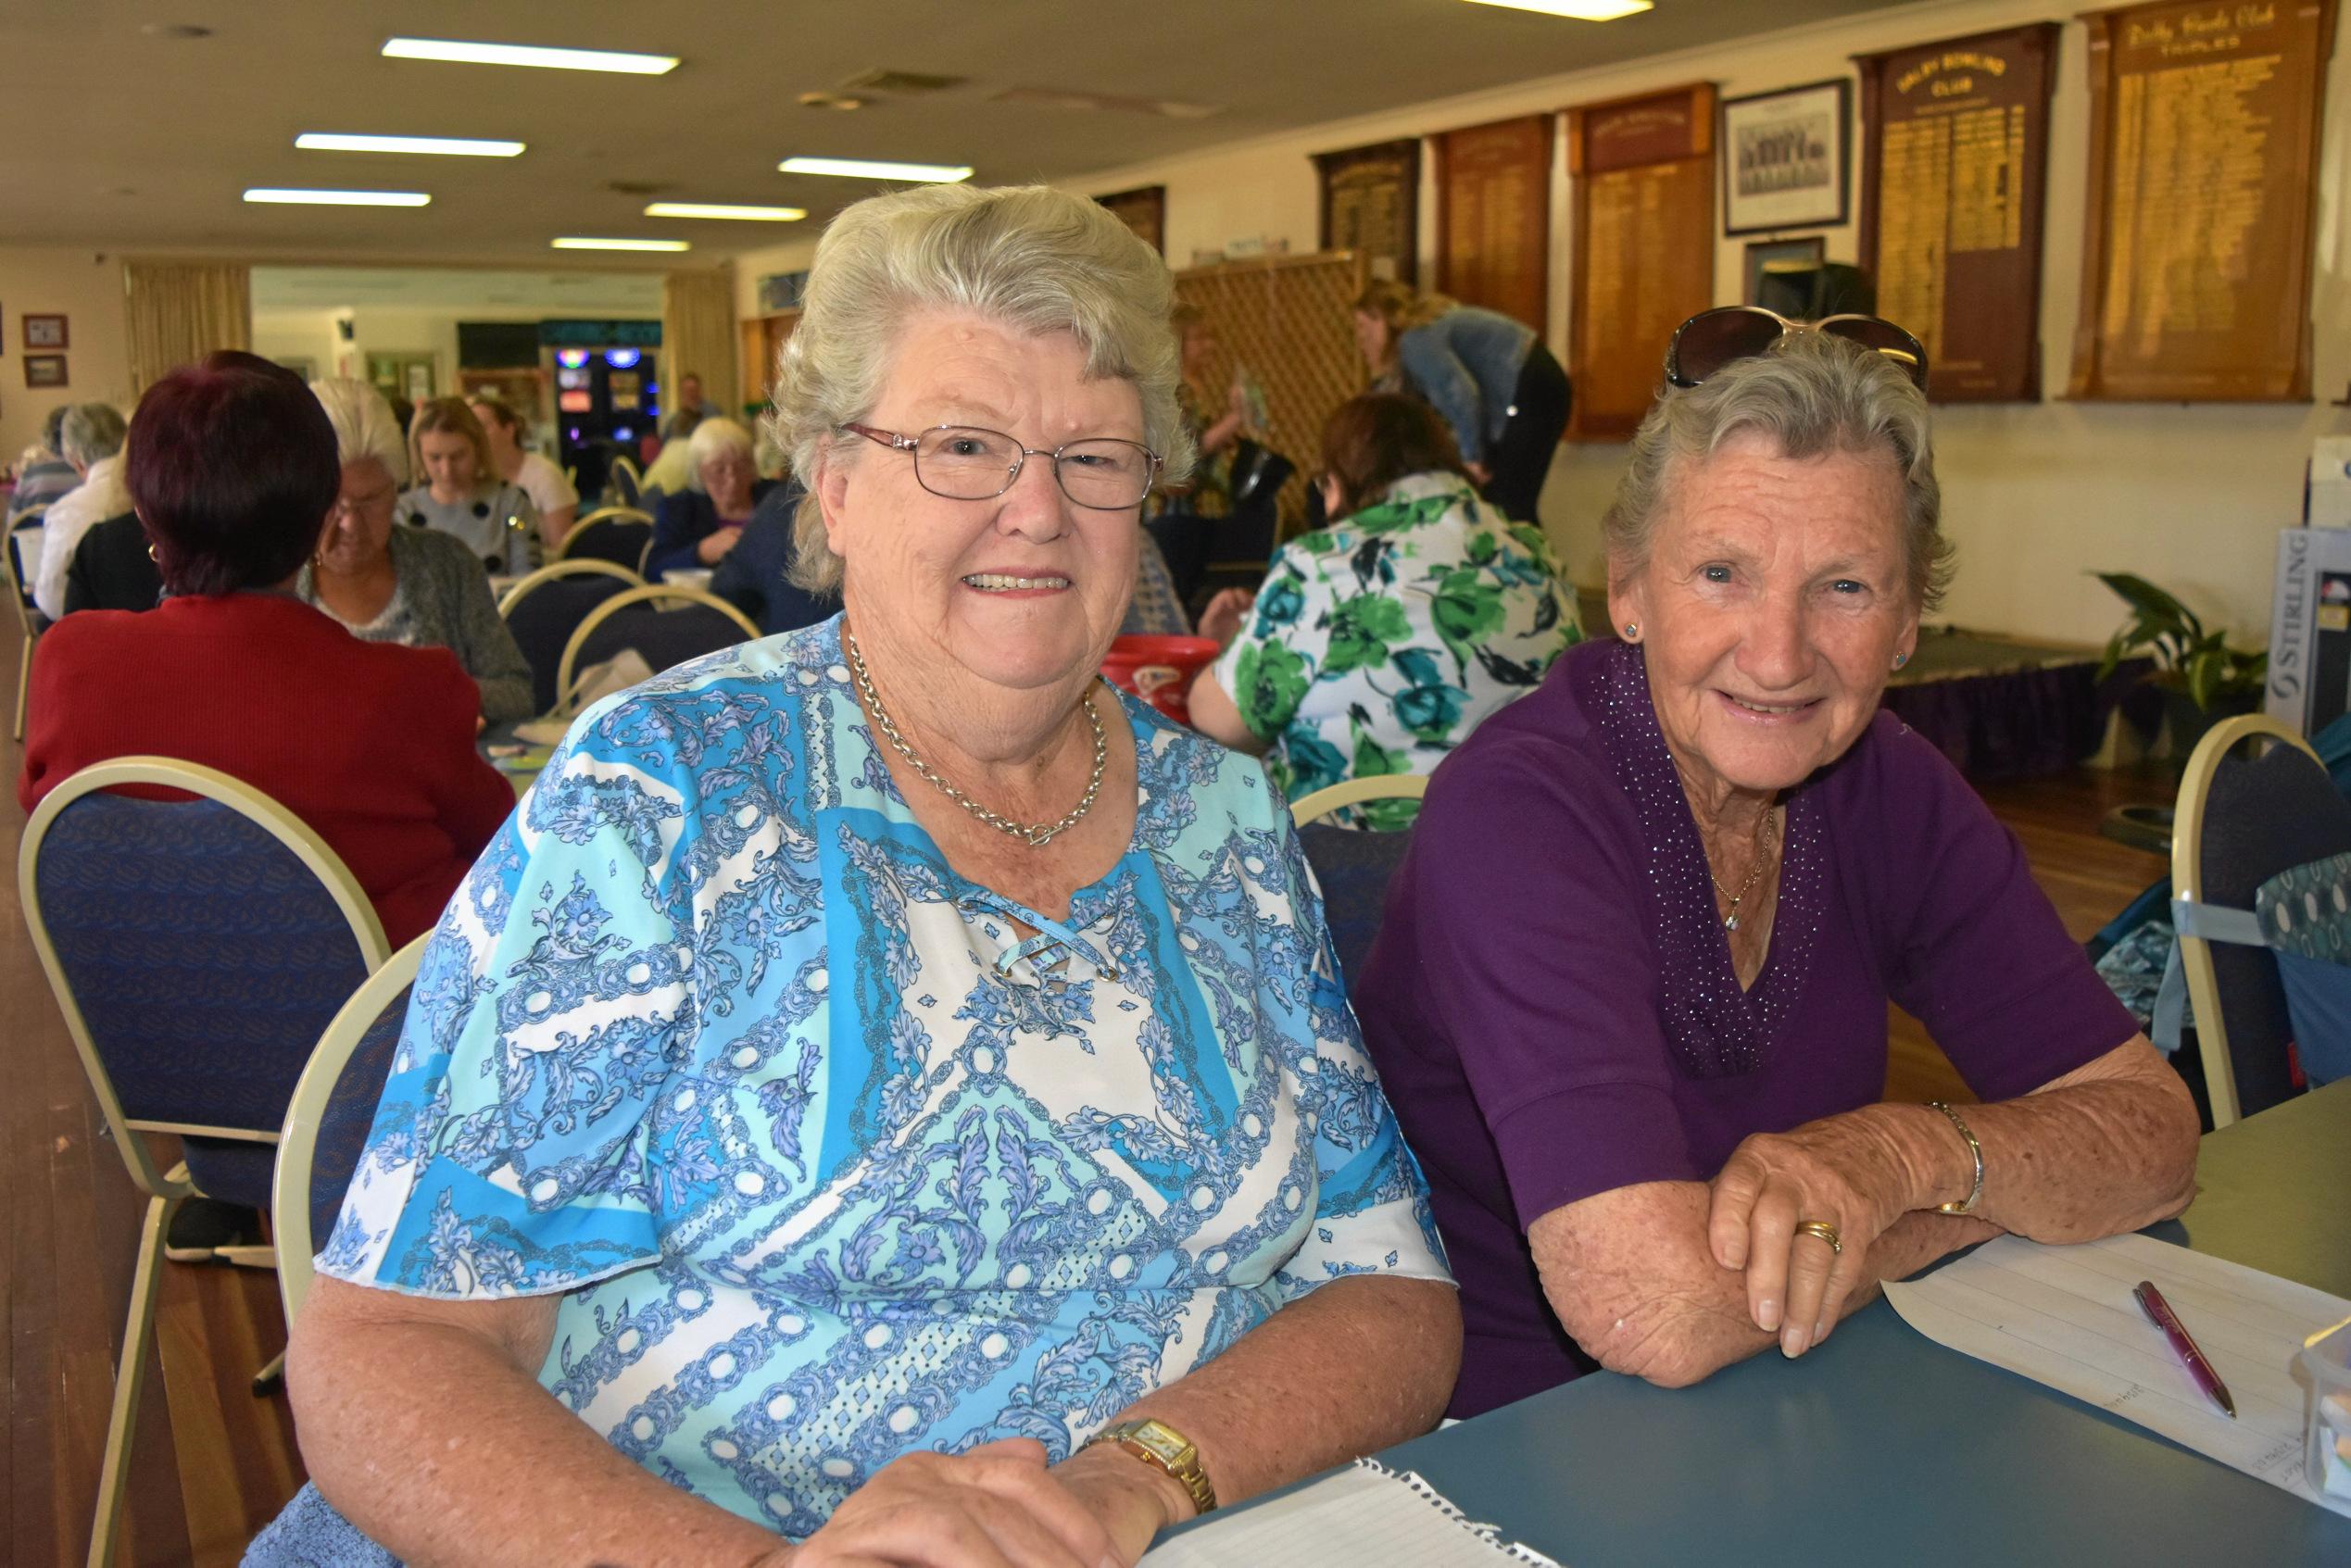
1824	1231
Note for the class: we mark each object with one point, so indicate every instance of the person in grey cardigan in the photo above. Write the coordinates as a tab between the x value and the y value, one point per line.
387	584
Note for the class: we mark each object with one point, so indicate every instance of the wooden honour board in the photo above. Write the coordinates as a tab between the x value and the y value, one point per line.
1644	172
1956	168
1289	318
1144	211
2196	258
1370	206
1494	217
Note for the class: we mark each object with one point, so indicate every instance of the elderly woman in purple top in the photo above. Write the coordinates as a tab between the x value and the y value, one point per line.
1639	1038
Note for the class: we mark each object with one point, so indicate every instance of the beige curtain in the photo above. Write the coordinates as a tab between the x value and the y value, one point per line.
181	312
698	335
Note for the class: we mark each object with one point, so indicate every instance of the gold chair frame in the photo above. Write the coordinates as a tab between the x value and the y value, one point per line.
1354	792
165	1190
587	566
2187	879
565	704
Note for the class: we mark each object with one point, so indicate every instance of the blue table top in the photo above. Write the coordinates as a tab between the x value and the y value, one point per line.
1883	1447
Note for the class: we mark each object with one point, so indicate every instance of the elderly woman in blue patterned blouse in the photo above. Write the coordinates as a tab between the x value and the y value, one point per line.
884	1091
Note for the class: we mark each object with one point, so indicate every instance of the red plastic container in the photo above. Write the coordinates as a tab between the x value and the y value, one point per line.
1160	669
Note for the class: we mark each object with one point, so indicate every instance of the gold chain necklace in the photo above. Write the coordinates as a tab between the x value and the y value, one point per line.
1763	859
1036	836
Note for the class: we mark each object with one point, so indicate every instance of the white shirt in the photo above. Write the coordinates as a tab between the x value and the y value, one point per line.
100	496
544	483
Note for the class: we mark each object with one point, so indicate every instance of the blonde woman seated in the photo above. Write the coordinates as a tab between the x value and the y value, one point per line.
884	1091
413	585
460	493
1377	645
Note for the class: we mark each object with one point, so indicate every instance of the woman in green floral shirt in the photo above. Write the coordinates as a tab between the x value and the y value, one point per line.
1378	644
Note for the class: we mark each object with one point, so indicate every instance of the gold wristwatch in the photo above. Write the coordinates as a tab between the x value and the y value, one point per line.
1156	1443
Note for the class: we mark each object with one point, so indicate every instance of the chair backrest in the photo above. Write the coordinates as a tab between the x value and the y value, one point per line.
585	567
624	479
615	534
1355	791
22	560
544	619
701	624
196	947
2237	824
332	1111
1353	866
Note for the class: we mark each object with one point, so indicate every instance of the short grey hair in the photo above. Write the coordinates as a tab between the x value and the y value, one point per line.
90	431
711	437
364	424
1028	256
1813	395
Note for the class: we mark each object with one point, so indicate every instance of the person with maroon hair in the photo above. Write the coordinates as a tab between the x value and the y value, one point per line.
233	470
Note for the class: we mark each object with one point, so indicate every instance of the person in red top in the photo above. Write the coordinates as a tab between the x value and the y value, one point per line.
233	472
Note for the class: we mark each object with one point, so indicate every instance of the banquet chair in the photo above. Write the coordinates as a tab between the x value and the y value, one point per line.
196	948
1353	866
30	621
1240	545
615	534
332	1111
2238	823
543	610
664	622
624	479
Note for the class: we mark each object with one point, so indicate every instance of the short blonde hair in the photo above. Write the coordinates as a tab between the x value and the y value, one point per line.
1812	394
363	423
711	437
1029	256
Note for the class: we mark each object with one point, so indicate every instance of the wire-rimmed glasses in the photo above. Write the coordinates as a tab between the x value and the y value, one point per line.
970	463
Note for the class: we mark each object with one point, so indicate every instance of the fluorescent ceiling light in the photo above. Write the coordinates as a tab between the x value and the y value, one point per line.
863	169
721	209
1581	10
528	55
575	242
446	146
338	198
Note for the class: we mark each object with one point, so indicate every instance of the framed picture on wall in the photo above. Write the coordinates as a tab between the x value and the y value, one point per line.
45	369
1786	157
46	331
1768	257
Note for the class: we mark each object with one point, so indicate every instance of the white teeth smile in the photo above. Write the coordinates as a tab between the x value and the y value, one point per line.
1770	706
992	582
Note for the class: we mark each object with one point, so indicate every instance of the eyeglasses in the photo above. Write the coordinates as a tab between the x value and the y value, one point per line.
1711	339
965	463
365	505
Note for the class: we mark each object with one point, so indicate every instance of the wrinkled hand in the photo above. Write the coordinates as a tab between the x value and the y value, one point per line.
1846	1171
1130	1499
716	543
1221	621
995	1507
1480	472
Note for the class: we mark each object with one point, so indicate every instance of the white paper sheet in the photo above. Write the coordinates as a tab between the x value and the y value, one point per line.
1365	1516
2065	1316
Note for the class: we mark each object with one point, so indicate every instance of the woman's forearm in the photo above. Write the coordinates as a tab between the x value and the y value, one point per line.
2106	1149
1354	1365
433	1444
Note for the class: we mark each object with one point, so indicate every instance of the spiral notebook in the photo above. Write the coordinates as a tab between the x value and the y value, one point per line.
1364	1516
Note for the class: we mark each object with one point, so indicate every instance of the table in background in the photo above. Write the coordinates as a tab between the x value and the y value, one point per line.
1883	1447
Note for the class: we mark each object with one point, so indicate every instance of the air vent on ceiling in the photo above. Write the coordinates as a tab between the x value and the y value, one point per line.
636	187
905	81
1056	98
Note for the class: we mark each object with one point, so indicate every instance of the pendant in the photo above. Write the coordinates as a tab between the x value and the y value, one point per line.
1730	921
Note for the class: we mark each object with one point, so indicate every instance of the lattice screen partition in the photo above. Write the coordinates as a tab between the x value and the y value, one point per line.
1288	318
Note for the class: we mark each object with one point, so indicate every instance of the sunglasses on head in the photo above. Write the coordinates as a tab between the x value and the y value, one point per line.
1711	339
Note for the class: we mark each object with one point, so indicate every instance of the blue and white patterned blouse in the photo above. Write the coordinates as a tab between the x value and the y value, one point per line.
827	1162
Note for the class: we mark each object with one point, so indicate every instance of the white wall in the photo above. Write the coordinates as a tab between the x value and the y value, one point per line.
86	288
2035	494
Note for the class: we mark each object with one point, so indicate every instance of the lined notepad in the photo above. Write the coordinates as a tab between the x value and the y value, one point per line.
1364	1516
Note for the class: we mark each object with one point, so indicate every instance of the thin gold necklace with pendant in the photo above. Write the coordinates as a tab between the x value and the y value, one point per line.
1763	859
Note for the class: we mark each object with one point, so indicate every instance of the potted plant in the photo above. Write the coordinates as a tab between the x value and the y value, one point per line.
2204	679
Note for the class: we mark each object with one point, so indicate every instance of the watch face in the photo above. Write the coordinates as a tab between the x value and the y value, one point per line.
1162	1441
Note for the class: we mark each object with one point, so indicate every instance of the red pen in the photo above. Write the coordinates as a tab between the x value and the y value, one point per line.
2159	1312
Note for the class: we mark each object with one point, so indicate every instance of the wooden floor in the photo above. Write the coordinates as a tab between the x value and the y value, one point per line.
212	1463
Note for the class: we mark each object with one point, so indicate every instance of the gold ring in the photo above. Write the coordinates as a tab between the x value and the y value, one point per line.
1825	1232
